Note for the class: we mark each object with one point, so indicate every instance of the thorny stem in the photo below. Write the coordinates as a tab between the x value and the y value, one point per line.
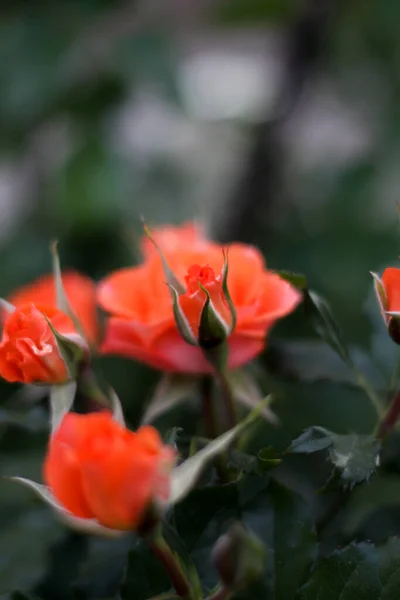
170	563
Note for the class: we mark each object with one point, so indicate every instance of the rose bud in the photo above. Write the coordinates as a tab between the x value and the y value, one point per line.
238	556
80	291
387	291
39	345
98	469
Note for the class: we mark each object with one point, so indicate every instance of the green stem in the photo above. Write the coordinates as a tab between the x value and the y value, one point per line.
222	593
395	375
227	398
170	563
89	387
372	395
208	409
211	425
389	419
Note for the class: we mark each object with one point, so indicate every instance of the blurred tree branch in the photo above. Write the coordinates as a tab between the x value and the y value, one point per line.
259	187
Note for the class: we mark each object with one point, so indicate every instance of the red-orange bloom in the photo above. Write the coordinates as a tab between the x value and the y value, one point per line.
98	469
80	291
142	325
173	237
28	349
391	282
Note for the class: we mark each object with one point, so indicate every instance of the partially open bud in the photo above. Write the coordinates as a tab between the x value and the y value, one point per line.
204	312
387	292
39	345
238	556
98	469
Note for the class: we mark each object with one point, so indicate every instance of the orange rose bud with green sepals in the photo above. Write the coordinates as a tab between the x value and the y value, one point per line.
80	291
29	349
98	469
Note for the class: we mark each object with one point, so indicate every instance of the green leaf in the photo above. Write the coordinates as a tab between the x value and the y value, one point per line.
61	400
24	542
356	457
325	325
296	279
247	392
284	521
184	476
116	407
144	575
358	572
172	390
88	526
312	440
314	360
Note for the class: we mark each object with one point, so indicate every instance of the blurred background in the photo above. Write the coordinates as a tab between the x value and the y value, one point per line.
276	122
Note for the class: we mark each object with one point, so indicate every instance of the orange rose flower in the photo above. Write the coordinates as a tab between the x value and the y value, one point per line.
80	291
28	349
142	325
173	238
98	469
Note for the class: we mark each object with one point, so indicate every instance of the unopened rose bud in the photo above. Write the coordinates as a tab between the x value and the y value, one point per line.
238	557
98	469
387	291
39	345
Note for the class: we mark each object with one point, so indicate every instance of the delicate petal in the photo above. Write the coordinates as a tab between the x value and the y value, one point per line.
391	282
80	291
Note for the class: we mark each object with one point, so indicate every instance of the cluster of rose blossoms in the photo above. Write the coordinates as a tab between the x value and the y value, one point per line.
181	310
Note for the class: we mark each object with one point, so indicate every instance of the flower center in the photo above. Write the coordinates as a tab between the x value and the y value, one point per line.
197	274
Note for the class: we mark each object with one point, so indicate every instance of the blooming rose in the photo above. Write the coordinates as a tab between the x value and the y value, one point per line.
173	238
142	325
98	469
80	291
29	352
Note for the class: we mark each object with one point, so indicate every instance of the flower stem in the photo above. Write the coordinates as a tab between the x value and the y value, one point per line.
210	423
227	397
170	563
395	375
389	419
372	395
221	593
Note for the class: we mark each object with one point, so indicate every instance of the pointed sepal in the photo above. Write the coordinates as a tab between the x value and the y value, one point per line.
61	400
381	296
180	318
171	278
62	300
86	526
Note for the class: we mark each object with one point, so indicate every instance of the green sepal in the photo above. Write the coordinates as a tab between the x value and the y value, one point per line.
180	319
